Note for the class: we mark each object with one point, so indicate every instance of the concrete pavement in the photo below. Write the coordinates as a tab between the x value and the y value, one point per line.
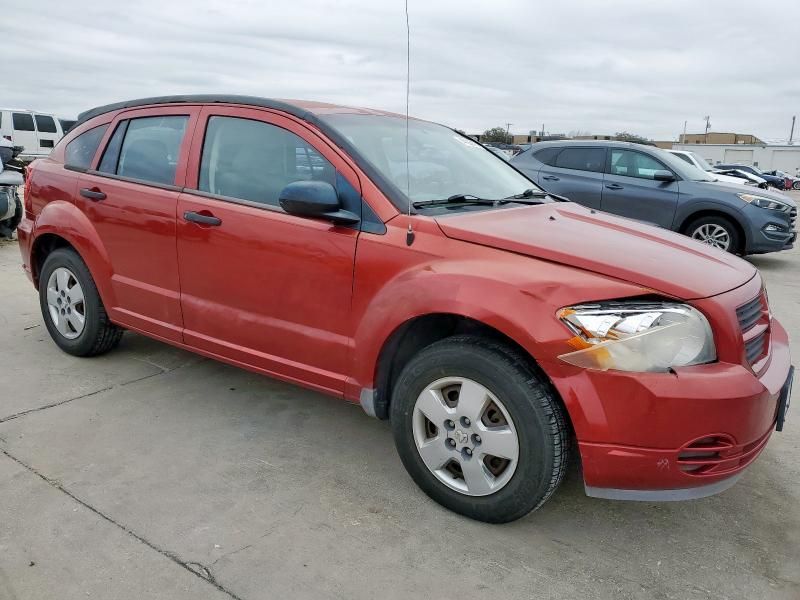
153	473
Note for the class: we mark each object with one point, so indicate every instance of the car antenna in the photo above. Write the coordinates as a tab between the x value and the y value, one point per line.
410	232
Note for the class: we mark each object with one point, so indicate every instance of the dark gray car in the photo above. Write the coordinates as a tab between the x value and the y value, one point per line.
651	185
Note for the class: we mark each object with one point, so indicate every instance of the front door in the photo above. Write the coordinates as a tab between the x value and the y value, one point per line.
131	197
259	286
629	189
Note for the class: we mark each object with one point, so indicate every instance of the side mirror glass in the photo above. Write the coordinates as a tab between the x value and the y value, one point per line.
663	176
314	199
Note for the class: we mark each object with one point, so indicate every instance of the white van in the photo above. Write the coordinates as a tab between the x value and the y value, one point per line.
36	132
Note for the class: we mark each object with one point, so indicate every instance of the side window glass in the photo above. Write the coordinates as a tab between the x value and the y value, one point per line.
110	160
80	151
45	124
151	147
547	155
582	159
252	160
634	164
684	158
22	122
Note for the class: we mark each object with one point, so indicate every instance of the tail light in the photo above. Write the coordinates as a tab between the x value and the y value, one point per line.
28	200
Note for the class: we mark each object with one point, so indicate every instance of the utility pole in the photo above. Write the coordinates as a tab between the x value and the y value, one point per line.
683	140
708	126
791	133
508	126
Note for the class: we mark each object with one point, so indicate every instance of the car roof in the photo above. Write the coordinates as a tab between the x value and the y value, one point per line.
303	109
584	143
26	110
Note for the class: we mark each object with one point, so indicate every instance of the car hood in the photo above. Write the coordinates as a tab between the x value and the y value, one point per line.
574	235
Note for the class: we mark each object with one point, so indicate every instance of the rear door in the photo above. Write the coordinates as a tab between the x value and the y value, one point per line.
629	189
24	132
577	173
259	286
131	197
49	132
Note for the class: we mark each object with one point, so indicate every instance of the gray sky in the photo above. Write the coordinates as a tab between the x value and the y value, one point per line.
602	67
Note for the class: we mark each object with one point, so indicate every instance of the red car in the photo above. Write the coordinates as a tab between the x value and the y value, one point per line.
401	265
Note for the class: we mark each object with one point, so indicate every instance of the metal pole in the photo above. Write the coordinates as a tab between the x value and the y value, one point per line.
791	133
683	140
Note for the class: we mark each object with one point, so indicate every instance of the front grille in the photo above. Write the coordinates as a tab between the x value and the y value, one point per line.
792	217
756	348
749	314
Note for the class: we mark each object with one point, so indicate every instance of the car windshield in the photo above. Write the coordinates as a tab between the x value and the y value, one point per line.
441	163
702	162
681	167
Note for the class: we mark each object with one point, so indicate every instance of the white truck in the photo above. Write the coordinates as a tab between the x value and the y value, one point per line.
701	163
36	132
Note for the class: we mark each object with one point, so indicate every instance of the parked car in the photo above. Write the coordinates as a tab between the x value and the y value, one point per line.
496	327
792	182
66	124
37	133
651	185
698	161
10	180
744	176
774	181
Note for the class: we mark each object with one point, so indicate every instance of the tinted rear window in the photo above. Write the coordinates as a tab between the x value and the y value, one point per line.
582	159
547	155
151	147
81	150
23	122
45	124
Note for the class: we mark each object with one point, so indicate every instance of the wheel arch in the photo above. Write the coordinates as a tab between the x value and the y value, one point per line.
419	332
715	212
62	225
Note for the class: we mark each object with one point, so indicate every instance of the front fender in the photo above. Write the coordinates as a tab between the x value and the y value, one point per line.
516	295
687	209
67	221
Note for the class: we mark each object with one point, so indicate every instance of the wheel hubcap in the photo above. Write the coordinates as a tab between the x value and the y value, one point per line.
713	235
465	436
65	303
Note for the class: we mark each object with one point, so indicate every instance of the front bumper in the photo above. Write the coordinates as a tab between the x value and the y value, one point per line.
672	436
767	231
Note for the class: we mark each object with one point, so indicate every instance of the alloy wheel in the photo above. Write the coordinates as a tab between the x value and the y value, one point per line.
65	303
465	436
714	235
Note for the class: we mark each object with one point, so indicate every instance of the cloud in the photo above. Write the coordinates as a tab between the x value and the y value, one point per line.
597	66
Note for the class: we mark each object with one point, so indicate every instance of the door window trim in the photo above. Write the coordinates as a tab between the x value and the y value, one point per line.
565	148
282	121
610	154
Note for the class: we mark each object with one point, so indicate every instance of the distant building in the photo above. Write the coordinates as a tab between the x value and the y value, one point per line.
714	137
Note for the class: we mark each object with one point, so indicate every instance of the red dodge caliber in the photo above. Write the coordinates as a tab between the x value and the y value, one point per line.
396	263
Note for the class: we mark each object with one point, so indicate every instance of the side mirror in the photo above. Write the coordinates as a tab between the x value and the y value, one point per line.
664	176
314	199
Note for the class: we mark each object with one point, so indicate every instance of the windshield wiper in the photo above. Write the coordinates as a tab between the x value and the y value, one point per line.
454	199
532	193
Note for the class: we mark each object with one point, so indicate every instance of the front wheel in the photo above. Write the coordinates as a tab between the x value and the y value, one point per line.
715	231
796	185
478	430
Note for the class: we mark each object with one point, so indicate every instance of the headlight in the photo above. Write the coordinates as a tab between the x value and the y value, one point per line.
637	336
764	202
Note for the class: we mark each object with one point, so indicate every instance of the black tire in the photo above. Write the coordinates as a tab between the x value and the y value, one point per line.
99	334
8	226
736	245
537	415
796	185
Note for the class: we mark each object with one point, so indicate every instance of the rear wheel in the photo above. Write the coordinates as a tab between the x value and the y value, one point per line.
715	231
796	185
478	430
71	307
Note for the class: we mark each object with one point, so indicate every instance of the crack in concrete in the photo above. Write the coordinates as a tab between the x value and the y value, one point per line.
195	568
86	395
